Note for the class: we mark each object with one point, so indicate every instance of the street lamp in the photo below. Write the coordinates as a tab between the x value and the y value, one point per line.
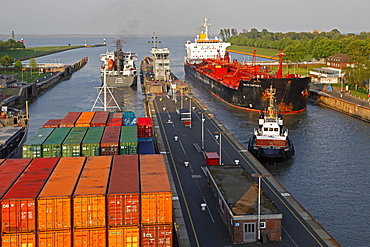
259	202
203	131
219	135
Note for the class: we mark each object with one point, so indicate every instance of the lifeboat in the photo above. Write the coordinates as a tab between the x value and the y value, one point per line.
110	64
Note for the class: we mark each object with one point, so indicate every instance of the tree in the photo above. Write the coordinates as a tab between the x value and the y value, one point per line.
358	73
295	53
6	61
326	48
18	64
33	64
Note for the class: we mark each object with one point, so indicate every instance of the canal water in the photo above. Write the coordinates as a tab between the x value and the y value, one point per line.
328	174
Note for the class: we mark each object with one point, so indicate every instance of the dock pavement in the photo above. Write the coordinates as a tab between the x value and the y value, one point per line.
180	143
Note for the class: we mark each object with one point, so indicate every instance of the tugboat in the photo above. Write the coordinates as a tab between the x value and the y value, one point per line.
270	141
119	67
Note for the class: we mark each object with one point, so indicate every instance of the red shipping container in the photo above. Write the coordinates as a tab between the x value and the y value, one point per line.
114	122
90	194
115	115
10	171
18	239
95	237
52	123
156	195
19	203
100	119
123	194
54	238
124	236
69	120
110	141
144	127
56	195
212	159
156	235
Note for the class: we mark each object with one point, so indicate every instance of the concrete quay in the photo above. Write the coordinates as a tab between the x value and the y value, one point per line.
179	143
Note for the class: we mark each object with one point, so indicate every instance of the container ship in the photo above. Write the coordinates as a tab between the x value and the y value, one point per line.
119	67
242	85
270	141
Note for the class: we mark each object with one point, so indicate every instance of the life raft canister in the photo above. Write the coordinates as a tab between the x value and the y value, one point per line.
110	64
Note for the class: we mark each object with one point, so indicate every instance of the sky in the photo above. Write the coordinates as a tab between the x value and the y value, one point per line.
180	17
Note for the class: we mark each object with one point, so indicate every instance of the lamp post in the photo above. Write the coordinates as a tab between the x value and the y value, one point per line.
219	135
259	202
203	131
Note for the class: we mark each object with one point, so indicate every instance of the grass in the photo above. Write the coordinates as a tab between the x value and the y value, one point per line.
33	51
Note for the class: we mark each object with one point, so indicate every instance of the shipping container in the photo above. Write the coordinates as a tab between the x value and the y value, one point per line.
144	127
100	119
156	195
90	145
157	235
71	146
124	237
52	123
32	148
90	194
128	140
129	118
212	159
146	147
95	237
69	120
18	240
10	170
115	115
19	203
56	195
54	239
110	141
85	119
52	146
123	194
114	122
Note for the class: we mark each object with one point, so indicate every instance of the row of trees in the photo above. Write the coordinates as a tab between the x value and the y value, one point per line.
11	44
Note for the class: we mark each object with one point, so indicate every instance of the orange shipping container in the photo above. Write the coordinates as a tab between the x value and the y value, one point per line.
85	119
54	238
56	195
18	239
156	235
19	203
123	193
156	195
89	197
124	236
89	237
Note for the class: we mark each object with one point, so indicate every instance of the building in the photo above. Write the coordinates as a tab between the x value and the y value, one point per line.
331	74
237	201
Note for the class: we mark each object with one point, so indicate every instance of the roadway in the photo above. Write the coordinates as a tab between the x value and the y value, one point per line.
206	228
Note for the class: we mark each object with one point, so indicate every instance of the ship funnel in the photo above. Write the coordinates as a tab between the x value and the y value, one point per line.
203	36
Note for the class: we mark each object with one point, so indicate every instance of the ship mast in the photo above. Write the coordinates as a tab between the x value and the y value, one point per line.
271	109
205	26
279	73
104	98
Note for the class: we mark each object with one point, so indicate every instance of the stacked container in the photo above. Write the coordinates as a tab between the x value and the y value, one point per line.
123	202
90	145
115	119
69	120
52	147
52	123
19	204
85	119
32	148
89	202
128	140
110	140
100	119
54	203
71	146
144	128
129	118
156	202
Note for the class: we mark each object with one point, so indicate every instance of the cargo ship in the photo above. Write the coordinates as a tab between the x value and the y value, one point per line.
119	67
13	131
242	85
155	72
270	141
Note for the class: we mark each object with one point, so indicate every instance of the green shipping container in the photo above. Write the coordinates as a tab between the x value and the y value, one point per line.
91	143
52	147
128	140
32	148
71	146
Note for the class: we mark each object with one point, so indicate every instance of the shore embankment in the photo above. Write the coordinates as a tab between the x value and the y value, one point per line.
344	102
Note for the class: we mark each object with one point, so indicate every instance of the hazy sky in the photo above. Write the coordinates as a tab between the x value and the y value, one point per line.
135	17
